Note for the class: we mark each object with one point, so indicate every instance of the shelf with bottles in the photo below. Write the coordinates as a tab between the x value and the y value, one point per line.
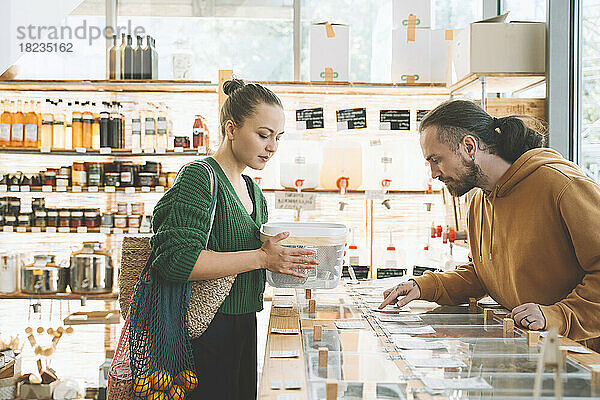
77	127
106	151
59	296
79	230
15	189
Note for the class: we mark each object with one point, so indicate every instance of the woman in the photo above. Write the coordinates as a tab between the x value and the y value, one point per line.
252	122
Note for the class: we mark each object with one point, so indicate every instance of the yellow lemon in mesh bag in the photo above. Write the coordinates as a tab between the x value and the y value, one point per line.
176	393
161	380
158	396
142	386
187	379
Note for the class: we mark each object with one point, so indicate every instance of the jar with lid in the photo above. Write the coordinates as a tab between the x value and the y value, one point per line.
93	173
39	219
171	178
128	174
10	220
78	175
92	219
137	208
147	179
64	218
3	205
162	179
112	174
122	208
120	221
62	180
1	219
52	218
134	221
50	176
14	205
108	220
24	220
37	179
77	219
38	204
15	179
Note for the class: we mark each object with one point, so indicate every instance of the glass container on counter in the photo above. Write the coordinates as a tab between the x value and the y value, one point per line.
18	124
31	132
10	264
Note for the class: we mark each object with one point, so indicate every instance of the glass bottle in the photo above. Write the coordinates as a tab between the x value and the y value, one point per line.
147	60
95	127
122	56
115	126
63	130
128	59
114	62
18	124
104	123
161	130
138	59
77	126
32	139
136	131
149	131
154	59
46	139
5	124
87	122
121	126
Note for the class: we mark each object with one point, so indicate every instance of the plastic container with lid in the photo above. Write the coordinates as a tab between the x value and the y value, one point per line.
326	239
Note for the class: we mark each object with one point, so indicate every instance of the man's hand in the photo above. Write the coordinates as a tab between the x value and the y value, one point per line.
529	316
410	290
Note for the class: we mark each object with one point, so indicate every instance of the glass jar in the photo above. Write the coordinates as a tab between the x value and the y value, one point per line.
78	175
92	219
112	174
171	178
147	179
65	171
38	204
39	219
24	220
1	219
62	180
3	205
162	179
93	173
122	208
50	177
120	221
14	205
134	221
137	208
52	219
37	179
77	219
108	220
64	218
128	172
10	220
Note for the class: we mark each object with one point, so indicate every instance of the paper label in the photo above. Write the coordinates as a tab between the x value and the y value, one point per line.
82	229
373	194
292	384
64	229
76	189
291	331
349	324
161	151
476	383
80	149
105	230
31	132
61	188
399	318
92	189
129	190
105	150
118	231
46	188
415	344
178	150
284	353
146	189
412	330
5	132
45	149
576	349
109	189
3	188
17	132
7	228
21	229
51	229
25	188
148	150
36	229
159	189
295	200
134	231
136	150
14	188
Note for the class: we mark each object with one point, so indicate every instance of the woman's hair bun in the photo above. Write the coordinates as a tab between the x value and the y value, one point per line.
232	85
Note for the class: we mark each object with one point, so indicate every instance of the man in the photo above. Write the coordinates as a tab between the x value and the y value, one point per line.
534	225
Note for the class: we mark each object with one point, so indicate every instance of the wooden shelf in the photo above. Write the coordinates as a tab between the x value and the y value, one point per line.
59	296
14	189
113	152
73	231
497	83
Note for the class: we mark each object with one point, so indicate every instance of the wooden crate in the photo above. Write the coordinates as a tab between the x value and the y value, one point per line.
502	107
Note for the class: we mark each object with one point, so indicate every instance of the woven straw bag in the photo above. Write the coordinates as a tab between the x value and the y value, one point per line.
206	296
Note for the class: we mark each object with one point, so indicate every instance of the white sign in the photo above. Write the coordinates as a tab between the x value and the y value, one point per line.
109	189
92	188
105	150
46	188
76	189
295	200
129	190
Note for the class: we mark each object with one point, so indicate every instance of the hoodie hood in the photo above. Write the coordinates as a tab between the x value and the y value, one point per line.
523	167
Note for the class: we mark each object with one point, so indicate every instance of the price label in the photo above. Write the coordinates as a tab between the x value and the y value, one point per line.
105	150
3	188
161	151
7	229
145	229
159	189
109	189
82	229
21	229
118	231
51	229
146	189
134	230
136	150
46	188
148	150
76	189
45	149
178	150
14	188
105	230
25	188
129	190
36	229
295	201
64	229
92	189
80	149
61	188
373	194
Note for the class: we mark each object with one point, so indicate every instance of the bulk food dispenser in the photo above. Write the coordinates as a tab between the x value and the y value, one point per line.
300	164
328	240
342	166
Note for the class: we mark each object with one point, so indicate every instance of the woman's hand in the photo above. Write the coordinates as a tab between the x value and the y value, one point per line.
410	290
286	260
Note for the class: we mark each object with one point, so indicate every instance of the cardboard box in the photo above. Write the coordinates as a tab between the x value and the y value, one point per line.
498	47
37	392
425	58
401	9
329	48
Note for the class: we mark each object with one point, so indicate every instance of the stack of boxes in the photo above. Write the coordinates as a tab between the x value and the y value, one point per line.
419	53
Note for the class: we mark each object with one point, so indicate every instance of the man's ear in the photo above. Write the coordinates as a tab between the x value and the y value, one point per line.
229	129
469	144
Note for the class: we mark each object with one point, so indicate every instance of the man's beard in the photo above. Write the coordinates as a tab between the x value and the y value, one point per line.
472	177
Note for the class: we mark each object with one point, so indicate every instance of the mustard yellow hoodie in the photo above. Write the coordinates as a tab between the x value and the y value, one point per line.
534	239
